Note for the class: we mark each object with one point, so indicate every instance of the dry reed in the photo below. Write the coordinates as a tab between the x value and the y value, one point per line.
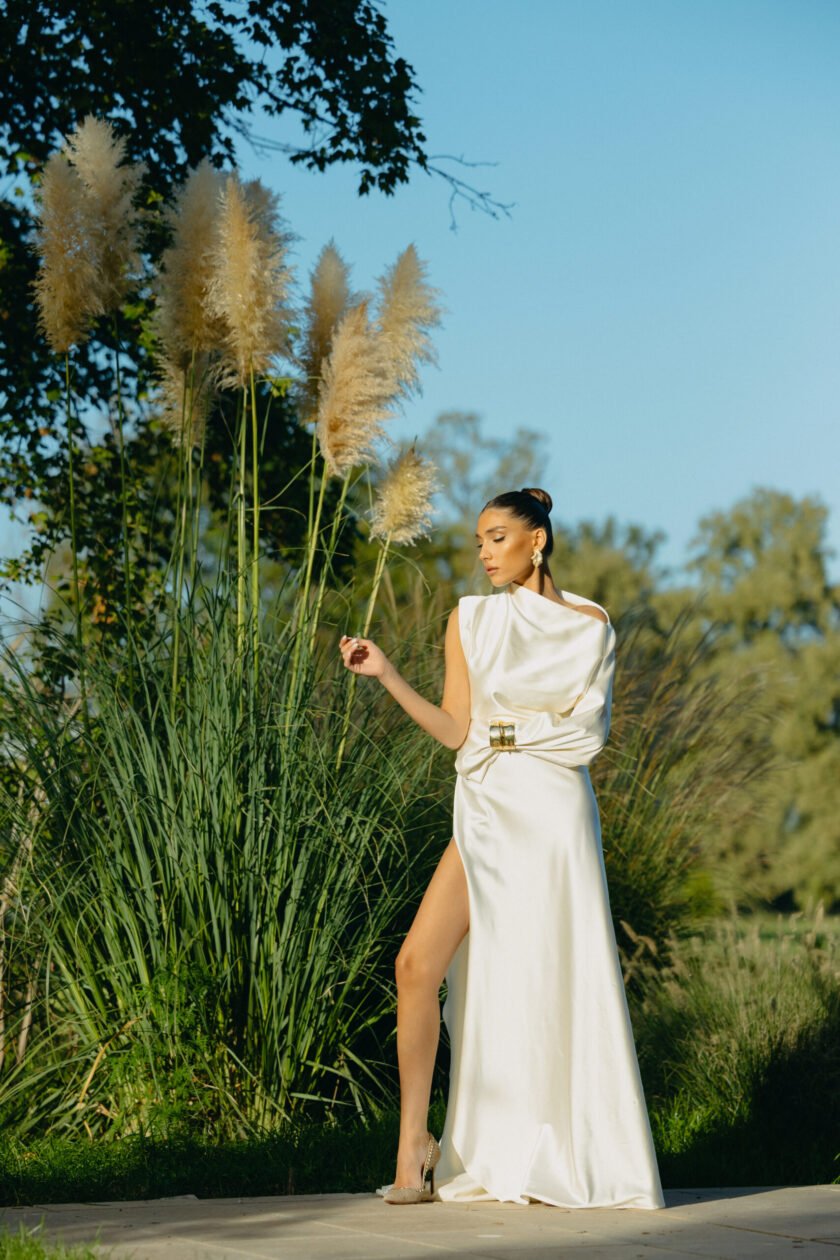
355	394
185	395
400	513
408	308
183	323
110	186
66	287
329	298
249	280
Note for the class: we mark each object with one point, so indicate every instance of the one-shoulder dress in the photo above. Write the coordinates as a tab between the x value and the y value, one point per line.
545	1098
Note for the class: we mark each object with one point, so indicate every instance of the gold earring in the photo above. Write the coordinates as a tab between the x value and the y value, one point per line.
536	557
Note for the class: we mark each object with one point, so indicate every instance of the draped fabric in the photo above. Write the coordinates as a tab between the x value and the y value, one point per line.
545	1098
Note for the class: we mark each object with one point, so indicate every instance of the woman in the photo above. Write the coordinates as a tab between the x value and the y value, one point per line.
545	1099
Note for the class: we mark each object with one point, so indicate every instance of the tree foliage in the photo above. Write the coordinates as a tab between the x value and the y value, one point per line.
775	614
181	81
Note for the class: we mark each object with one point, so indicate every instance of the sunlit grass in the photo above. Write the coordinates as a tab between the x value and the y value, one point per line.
26	1245
739	1045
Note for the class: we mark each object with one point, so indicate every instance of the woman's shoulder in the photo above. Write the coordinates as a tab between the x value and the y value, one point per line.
469	606
468	613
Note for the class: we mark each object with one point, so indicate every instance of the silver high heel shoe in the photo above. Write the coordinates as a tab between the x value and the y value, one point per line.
411	1194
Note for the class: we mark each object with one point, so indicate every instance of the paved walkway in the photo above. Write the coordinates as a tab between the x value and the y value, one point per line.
738	1223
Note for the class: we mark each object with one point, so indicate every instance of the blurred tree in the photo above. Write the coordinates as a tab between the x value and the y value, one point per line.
768	602
611	563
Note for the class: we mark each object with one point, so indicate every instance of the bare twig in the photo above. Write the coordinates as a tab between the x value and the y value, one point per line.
476	198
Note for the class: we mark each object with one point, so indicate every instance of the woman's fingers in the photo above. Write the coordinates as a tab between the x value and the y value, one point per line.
353	649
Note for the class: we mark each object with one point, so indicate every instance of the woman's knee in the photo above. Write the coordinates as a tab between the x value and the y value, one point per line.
413	972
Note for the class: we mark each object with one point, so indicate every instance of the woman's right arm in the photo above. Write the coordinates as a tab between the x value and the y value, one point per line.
448	722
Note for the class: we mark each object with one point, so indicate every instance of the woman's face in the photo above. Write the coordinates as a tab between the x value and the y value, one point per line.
505	545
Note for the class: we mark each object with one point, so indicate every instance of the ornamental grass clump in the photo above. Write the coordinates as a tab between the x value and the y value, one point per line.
207	912
203	929
739	1047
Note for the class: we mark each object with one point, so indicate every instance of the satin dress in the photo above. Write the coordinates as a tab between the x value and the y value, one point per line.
545	1098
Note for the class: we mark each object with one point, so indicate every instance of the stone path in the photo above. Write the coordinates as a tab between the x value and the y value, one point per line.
737	1223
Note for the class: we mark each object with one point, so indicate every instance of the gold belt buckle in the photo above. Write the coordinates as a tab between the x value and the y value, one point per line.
502	732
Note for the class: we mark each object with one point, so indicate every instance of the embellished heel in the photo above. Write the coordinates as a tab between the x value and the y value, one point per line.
411	1194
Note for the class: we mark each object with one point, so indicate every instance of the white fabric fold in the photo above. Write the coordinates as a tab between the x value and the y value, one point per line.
573	738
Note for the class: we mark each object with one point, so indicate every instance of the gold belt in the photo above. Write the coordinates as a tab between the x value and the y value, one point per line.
502	732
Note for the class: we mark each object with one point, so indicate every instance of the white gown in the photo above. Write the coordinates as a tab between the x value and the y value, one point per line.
545	1098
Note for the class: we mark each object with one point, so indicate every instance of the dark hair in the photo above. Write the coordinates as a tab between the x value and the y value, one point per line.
530	506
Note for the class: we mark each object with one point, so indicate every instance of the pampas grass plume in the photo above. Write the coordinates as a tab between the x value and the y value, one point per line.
66	288
97	154
329	298
249	280
185	396
355	394
408	308
401	511
183	322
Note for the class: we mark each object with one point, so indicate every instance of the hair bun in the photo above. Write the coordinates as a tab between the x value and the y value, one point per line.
542	496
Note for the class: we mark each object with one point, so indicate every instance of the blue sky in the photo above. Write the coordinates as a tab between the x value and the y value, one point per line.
664	301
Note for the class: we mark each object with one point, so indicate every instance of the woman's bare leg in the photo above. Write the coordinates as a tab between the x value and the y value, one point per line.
439	926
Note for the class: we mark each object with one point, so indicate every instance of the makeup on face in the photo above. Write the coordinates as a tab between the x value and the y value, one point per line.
498	544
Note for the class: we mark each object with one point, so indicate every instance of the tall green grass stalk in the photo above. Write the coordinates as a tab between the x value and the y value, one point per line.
241	533
126	529
184	462
77	601
303	638
329	554
255	536
351	690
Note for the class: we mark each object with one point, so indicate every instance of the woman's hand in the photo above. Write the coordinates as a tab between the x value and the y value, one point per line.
449	722
363	656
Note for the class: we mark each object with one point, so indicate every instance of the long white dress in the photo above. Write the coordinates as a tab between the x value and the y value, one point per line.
545	1098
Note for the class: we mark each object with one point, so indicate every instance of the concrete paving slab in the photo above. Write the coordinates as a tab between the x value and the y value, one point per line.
725	1224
